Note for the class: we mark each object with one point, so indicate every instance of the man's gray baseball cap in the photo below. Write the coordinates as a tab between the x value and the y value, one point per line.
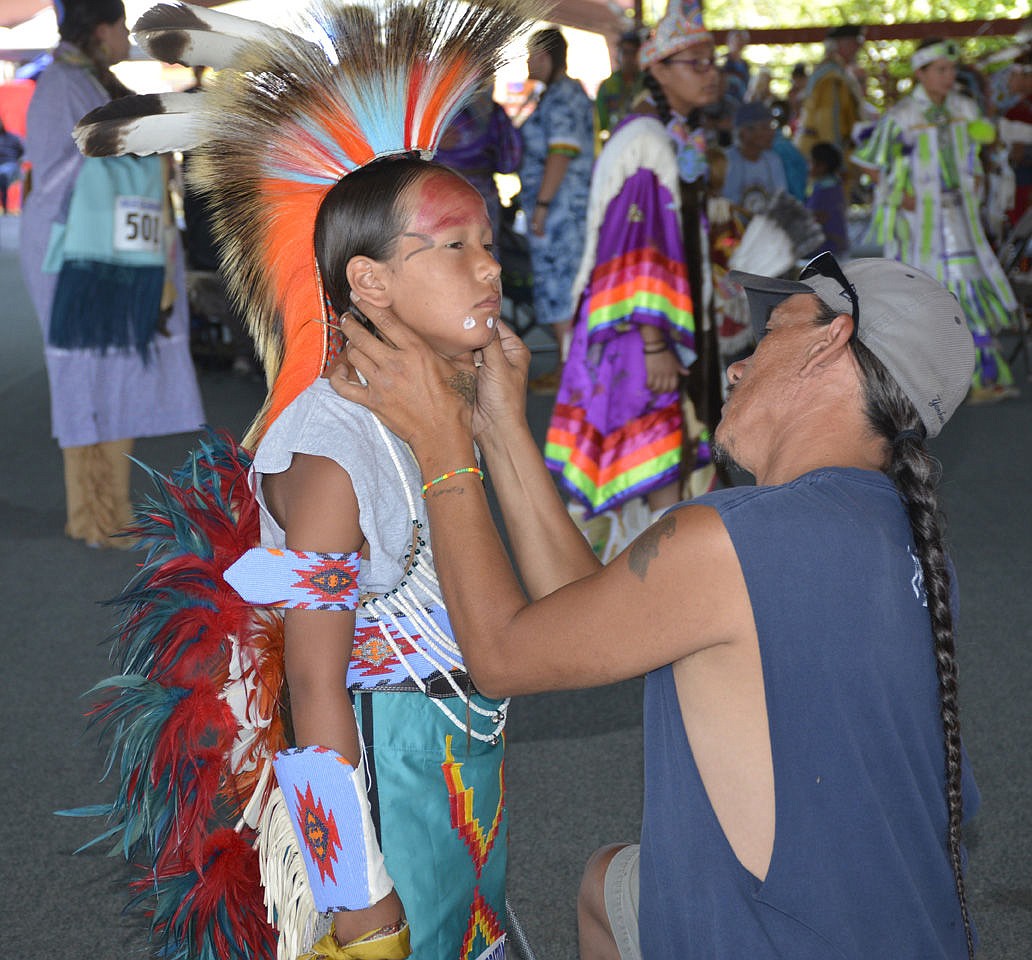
906	318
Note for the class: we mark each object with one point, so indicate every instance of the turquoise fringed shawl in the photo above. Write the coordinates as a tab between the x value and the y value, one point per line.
110	257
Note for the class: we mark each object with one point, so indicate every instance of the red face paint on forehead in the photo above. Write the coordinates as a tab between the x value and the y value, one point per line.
442	200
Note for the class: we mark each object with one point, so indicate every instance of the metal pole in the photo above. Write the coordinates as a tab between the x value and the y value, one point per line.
517	936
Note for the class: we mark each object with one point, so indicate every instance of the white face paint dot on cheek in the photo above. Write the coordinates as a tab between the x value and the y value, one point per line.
490	322
469	323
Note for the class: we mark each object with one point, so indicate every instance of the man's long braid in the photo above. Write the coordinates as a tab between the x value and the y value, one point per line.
915	473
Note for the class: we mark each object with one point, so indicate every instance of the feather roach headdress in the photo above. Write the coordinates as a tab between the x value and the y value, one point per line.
289	115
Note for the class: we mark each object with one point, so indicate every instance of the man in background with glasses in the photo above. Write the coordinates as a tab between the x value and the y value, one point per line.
804	778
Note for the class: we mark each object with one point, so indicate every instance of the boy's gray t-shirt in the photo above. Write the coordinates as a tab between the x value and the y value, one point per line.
322	423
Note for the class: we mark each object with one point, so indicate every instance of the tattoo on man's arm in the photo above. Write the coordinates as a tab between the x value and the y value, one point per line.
646	548
464	384
441	491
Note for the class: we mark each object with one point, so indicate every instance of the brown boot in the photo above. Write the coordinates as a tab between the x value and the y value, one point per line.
97	492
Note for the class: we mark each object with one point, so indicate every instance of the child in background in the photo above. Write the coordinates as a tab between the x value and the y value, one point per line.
827	197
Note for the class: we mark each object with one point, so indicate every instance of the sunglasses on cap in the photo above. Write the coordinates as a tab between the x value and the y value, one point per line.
825	265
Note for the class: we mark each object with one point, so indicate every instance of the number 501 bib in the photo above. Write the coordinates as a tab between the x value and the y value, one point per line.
137	226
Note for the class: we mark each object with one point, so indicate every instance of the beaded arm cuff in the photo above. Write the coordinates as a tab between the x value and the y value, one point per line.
268	577
329	811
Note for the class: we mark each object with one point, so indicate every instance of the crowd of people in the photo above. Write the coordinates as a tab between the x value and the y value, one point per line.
629	429
796	635
921	169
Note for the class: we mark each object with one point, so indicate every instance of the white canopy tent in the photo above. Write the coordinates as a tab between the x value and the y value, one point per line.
593	25
28	28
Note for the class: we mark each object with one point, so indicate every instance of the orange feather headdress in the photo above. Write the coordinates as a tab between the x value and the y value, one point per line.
291	113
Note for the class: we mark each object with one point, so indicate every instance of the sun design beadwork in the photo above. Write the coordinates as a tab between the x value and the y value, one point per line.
320	833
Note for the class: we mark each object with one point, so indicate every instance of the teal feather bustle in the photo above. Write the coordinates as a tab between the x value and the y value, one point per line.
171	729
134	720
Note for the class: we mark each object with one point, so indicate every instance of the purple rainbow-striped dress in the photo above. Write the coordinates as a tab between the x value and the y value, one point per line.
611	439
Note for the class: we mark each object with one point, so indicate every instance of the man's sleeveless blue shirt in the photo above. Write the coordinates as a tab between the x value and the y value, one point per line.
859	868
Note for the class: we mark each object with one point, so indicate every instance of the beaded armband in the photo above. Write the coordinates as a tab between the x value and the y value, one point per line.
267	577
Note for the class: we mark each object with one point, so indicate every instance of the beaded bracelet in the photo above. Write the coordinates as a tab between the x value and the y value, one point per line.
449	475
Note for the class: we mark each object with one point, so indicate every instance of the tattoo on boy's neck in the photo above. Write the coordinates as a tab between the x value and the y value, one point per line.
465	385
646	548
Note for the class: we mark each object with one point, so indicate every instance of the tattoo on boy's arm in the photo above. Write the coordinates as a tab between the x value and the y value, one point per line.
465	385
646	548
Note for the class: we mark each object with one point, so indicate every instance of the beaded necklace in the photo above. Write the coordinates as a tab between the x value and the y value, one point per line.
439	648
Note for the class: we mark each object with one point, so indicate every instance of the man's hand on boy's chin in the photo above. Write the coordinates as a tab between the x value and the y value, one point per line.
501	384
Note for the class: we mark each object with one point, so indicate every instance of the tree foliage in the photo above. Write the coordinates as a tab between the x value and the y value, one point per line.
886	61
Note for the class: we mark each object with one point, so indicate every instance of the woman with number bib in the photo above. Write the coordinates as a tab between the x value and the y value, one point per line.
101	261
